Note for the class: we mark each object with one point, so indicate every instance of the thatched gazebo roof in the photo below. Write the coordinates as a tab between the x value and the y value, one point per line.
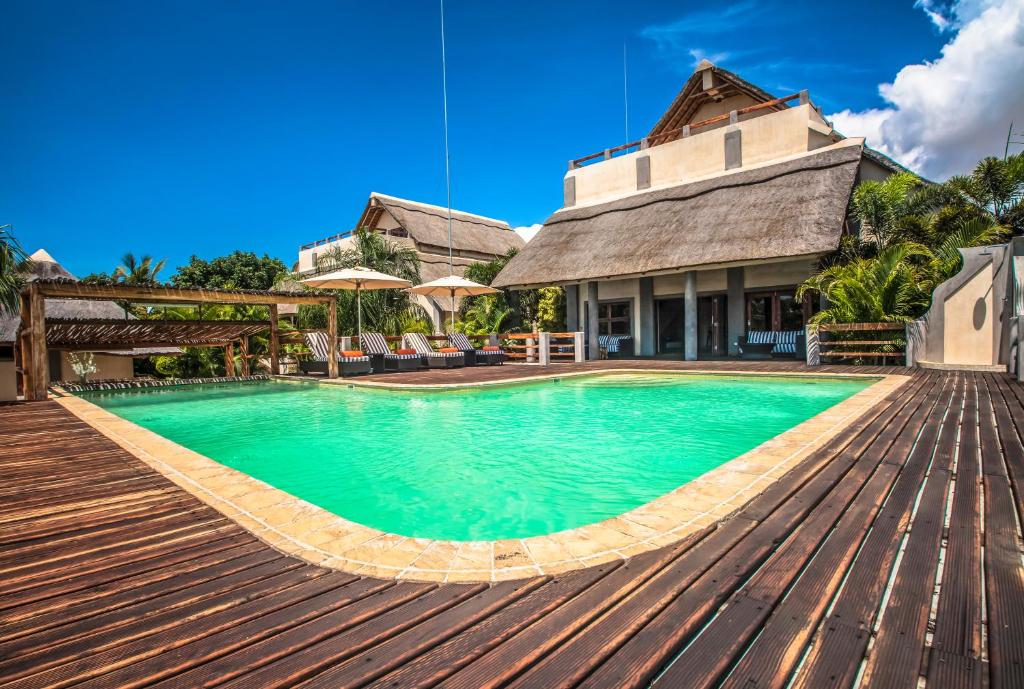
790	209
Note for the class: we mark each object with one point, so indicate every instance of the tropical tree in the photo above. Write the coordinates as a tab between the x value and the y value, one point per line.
238	270
488	314
543	308
894	286
997	187
389	311
138	272
14	263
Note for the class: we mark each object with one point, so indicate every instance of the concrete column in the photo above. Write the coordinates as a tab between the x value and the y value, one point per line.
645	307
690	315
578	345
572	308
735	308
592	327
545	348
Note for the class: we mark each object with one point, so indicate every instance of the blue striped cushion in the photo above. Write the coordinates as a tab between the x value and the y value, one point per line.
760	337
401	356
443	355
611	342
489	352
354	358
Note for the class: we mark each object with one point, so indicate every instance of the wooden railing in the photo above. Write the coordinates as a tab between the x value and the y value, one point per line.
542	347
859	343
672	134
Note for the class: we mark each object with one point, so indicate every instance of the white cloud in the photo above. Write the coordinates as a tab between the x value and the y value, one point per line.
944	116
528	232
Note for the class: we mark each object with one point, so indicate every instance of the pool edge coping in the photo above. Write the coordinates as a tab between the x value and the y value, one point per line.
309	532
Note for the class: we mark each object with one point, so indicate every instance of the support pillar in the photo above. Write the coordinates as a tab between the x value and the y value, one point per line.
645	314
545	348
36	374
593	352
332	338
229	359
243	346
690	315
572	308
275	343
735	304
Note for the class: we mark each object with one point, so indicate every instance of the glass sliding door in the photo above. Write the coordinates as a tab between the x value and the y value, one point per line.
711	328
775	310
668	315
613	318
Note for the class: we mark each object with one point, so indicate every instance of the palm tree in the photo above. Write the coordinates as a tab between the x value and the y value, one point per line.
488	314
894	286
996	187
14	263
138	272
890	211
388	311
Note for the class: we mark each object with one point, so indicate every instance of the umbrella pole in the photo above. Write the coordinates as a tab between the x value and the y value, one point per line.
359	316
452	290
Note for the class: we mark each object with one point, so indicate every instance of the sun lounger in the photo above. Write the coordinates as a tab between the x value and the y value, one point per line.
431	357
349	363
384	359
476	357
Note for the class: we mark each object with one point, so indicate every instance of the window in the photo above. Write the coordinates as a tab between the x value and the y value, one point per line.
613	318
775	310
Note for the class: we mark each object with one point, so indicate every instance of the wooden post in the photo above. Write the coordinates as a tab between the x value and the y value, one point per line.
332	338
244	347
229	358
275	343
37	376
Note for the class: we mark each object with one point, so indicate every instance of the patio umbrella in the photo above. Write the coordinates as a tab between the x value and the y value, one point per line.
452	286
358	278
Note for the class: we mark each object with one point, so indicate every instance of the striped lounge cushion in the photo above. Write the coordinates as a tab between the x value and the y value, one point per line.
418	341
317	343
374	343
460	341
761	337
349	359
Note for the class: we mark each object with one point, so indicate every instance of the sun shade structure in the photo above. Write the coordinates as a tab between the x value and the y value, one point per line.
358	279
451	287
49	318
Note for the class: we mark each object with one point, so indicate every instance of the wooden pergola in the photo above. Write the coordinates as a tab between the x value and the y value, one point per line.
37	333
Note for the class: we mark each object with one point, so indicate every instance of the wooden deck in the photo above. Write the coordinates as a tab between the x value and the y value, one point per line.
893	553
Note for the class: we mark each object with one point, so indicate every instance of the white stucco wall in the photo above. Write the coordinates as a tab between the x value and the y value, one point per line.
970	323
107	367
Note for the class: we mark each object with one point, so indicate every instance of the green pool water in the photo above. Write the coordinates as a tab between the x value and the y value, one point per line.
500	462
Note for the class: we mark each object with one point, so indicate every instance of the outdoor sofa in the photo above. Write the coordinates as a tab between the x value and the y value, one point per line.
616	346
765	344
349	363
432	358
384	359
476	357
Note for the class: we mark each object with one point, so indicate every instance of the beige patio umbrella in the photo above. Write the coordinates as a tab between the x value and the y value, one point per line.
452	286
359	279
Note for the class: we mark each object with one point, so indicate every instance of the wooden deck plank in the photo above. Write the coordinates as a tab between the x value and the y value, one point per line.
117	578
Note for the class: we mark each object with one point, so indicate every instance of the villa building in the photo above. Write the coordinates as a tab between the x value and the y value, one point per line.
425	228
701	232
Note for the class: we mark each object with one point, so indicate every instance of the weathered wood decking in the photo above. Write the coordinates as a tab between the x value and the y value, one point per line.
892	553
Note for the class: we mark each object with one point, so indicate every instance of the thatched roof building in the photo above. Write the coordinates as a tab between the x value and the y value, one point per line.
786	210
424	227
700	233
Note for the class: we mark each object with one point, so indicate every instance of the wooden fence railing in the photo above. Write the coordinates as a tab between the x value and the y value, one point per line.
858	343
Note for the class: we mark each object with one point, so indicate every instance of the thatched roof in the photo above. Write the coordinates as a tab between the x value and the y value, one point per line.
427	226
789	209
45	267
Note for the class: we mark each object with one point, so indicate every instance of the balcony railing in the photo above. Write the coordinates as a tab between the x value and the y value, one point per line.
686	130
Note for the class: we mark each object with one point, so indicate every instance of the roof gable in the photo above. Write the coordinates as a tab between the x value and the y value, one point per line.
707	86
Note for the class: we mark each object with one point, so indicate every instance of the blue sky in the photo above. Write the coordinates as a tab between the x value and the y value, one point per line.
202	127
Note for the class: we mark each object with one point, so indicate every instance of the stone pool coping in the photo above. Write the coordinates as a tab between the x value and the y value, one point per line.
307	531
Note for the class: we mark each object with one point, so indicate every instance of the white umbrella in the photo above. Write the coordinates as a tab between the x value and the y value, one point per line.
452	286
357	278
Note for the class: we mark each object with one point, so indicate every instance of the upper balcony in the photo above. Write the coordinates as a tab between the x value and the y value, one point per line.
750	136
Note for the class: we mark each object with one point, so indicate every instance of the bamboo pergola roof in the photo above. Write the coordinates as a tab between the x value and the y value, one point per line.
70	289
93	333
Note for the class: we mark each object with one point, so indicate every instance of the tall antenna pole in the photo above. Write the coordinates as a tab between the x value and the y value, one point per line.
625	88
447	160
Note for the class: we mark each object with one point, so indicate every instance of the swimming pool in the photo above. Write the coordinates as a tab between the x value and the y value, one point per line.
488	463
